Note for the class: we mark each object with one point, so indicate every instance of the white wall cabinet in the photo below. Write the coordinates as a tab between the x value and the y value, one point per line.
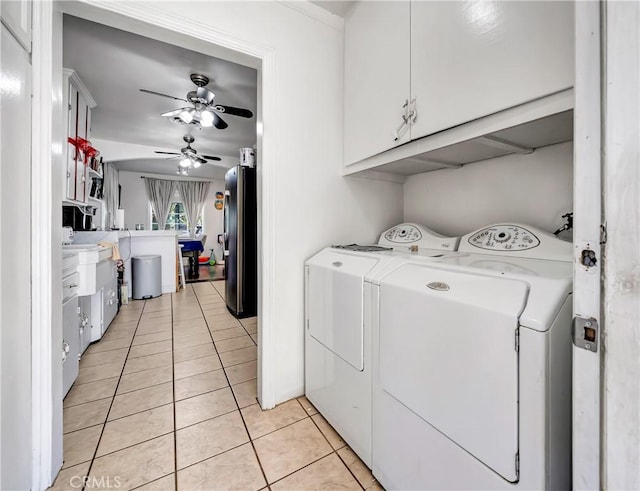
376	77
16	16
463	60
472	59
79	104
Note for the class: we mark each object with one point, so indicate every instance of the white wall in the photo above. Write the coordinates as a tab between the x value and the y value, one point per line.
534	189
136	206
312	204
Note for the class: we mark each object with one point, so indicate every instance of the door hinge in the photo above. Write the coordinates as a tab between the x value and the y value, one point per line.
517	341
603	234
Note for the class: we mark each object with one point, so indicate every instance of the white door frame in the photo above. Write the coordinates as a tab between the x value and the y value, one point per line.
124	15
587	219
620	444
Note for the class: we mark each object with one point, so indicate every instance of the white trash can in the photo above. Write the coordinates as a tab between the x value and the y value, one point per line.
146	276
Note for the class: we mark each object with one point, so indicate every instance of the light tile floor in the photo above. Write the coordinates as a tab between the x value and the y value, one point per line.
167	400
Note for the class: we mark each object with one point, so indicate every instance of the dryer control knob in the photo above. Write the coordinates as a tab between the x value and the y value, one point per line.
502	236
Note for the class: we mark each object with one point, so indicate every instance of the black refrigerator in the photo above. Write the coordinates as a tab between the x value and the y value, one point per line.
240	241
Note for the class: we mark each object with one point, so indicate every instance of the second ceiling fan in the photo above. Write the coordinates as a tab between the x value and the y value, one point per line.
203	111
190	157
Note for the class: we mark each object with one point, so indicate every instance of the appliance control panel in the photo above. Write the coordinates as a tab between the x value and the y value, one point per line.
413	237
504	237
516	240
403	234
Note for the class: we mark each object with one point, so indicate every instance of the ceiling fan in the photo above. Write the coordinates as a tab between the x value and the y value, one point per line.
203	111
189	157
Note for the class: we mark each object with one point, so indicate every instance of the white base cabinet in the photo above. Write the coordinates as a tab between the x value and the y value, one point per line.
85	323
70	343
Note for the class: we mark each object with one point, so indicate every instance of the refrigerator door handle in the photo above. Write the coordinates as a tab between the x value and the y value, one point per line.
240	188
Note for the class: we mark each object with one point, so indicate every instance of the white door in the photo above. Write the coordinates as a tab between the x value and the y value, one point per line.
448	353
472	59
376	78
586	237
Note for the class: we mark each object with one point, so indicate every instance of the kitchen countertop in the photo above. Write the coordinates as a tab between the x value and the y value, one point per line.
122	234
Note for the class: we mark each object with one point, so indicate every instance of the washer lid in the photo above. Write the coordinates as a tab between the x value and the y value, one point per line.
448	353
335	301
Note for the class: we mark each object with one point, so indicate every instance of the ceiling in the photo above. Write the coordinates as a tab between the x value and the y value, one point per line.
115	64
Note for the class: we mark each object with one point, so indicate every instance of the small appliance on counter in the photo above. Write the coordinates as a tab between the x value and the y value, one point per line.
76	218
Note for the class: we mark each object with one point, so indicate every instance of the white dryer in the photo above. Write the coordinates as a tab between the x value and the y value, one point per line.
472	357
337	330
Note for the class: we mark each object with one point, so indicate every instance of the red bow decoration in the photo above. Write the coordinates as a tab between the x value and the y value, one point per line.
85	147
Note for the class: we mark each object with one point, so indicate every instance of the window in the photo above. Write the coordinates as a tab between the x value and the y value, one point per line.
176	219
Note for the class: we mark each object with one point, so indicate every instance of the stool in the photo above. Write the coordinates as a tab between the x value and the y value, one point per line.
146	273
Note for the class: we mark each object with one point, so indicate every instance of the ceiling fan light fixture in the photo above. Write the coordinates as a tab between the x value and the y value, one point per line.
186	116
206	119
185	162
196	164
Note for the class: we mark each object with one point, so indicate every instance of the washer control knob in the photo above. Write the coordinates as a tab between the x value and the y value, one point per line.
502	236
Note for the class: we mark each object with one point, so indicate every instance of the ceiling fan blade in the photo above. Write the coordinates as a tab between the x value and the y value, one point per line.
218	122
167	153
211	157
198	158
234	111
163	95
175	112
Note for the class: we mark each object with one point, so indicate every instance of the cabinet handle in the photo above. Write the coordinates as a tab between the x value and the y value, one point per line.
413	111
406	120
72	286
65	349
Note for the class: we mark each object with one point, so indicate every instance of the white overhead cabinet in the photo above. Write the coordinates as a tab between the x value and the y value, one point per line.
376	90
472	59
464	61
79	104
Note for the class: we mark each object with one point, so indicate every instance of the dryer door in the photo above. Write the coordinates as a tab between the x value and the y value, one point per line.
335	297
448	353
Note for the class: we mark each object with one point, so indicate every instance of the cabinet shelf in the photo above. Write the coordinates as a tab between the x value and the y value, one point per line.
93	173
521	129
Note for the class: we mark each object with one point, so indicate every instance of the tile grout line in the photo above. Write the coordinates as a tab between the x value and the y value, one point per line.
233	394
112	400
173	382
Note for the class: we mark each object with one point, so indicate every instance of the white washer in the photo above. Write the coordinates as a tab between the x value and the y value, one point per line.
337	333
472	357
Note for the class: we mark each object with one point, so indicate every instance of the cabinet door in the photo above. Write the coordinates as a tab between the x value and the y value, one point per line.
110	302
81	173
16	15
472	59
72	132
70	343
376	75
85	322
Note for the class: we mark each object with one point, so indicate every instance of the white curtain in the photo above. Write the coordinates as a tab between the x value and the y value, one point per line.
110	192
194	194
160	194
